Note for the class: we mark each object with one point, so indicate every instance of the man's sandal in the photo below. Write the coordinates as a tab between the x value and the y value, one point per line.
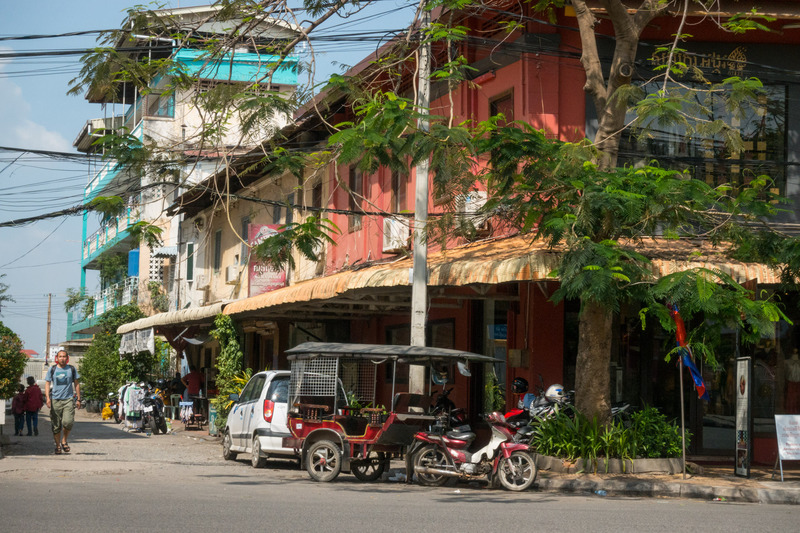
65	447
58	449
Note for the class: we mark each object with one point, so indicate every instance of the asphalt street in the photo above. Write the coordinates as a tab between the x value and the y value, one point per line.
116	481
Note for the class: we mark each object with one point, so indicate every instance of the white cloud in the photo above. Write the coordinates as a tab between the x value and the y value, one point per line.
18	130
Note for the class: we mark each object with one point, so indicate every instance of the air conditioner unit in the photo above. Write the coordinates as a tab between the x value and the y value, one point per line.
232	275
395	235
468	205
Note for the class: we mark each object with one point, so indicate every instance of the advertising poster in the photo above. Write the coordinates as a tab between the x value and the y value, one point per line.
262	277
743	425
788	429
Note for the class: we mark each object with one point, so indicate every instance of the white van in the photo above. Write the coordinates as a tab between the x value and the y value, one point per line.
257	422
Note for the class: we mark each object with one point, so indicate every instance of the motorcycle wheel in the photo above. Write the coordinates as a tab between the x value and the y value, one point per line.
517	472
430	456
117	419
227	442
153	425
256	458
369	469
162	425
324	461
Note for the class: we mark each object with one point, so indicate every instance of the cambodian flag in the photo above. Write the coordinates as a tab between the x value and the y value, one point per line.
680	337
698	379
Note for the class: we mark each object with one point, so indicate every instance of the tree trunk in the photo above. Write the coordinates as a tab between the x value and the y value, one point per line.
592	394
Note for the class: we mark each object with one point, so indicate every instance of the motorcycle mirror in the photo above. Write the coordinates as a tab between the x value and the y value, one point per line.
439	377
463	369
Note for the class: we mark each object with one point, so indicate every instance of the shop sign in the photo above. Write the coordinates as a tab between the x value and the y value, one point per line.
263	278
743	416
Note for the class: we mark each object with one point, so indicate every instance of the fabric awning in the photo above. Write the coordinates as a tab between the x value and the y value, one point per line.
492	263
184	317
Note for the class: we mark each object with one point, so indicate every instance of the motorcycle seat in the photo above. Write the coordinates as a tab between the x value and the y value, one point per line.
461	435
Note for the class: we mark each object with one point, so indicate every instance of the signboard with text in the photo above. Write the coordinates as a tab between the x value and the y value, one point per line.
788	430
263	278
743	420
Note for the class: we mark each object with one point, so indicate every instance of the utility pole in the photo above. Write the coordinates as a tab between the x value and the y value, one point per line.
47	348
419	285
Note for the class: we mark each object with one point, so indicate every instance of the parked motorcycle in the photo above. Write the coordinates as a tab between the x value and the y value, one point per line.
487	451
153	410
111	408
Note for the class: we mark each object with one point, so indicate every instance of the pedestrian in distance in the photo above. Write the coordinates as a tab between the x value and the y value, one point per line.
193	381
63	394
33	403
18	410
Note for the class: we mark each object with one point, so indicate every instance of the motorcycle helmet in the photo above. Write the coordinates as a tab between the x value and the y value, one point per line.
161	384
555	393
519	385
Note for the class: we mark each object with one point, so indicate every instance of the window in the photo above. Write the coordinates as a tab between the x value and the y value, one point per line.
762	128
356	184
160	105
503	104
399	191
279	390
245	237
189	261
277	212
218	249
316	197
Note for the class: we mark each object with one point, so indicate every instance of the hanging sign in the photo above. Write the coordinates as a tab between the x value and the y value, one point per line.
743	416
263	278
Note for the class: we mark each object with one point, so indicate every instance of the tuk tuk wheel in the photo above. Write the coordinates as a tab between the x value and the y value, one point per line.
370	468
324	461
227	442
256	458
517	472
430	456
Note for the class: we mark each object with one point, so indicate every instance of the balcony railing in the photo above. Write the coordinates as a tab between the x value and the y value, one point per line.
109	231
111	297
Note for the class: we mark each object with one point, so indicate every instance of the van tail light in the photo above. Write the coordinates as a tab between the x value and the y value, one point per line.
269	407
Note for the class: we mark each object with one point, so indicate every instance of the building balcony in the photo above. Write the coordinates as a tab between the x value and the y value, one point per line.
84	316
113	235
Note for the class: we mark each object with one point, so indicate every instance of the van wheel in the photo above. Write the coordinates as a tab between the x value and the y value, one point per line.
256	459
324	461
227	442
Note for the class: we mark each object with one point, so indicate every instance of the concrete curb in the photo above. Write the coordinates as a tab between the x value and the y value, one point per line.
671	490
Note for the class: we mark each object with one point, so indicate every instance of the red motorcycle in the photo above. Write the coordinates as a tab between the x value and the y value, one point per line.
489	450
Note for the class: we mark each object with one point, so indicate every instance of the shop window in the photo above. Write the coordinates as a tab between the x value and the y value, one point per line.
762	127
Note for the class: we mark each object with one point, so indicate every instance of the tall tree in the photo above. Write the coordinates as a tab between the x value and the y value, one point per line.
12	361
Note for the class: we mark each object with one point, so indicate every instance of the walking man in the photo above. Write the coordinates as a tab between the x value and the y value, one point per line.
62	391
33	402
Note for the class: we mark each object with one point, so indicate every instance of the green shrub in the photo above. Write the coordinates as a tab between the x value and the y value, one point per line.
569	434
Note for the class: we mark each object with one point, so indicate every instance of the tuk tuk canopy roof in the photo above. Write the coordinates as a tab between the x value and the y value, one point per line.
401	353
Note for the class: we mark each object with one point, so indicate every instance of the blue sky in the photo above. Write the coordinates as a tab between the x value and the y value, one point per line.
35	113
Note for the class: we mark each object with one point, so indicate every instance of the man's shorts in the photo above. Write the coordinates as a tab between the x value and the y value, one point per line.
62	415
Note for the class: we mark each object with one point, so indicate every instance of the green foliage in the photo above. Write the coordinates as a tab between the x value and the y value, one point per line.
12	361
571	435
3	296
308	237
158	299
494	397
144	232
109	207
74	297
113	268
229	365
101	369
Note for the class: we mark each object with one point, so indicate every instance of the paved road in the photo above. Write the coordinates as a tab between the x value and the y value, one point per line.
115	481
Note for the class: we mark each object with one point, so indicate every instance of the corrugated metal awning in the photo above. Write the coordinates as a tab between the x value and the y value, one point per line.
165	251
184	317
492	263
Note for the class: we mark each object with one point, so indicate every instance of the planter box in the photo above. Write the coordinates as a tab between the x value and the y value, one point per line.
611	466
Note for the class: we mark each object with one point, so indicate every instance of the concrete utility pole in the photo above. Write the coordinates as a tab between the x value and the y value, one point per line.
47	348
419	285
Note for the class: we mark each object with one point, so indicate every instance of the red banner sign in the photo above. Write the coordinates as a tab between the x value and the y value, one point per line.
263	278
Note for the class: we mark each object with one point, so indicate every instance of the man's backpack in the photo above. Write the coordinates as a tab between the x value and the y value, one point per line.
52	372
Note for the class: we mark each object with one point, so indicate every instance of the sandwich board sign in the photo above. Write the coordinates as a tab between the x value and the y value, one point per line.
787	428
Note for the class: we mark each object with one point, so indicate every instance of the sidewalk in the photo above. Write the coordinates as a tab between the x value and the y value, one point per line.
715	483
